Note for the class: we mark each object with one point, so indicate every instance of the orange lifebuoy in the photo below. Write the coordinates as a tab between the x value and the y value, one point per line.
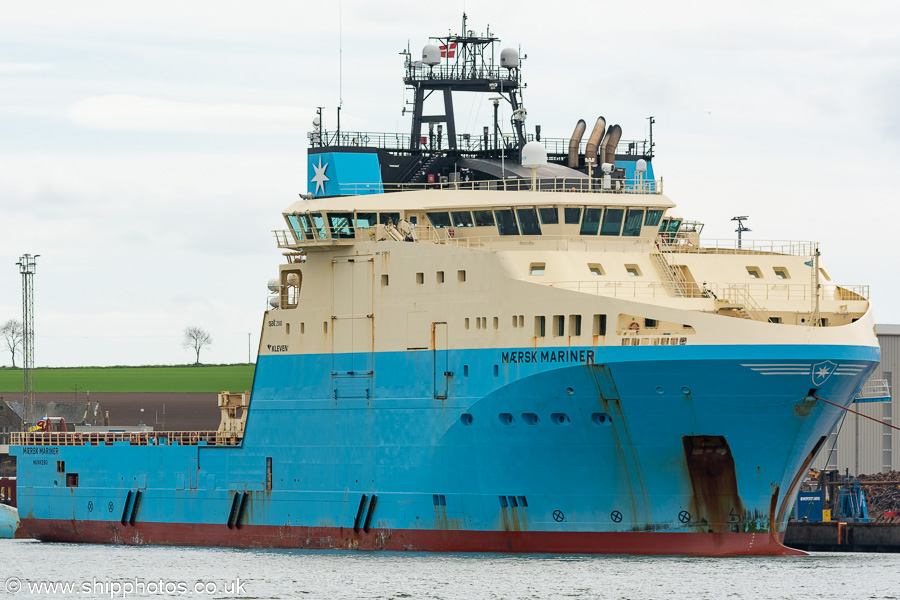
633	326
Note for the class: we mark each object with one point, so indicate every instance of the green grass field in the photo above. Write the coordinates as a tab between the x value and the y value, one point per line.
212	378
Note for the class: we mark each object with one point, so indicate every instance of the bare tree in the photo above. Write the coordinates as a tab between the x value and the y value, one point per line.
196	338
13	334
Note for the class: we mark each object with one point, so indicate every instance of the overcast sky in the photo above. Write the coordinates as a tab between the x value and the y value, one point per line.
148	149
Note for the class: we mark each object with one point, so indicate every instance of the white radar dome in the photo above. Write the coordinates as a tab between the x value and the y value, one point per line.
431	55
274	285
316	121
640	166
534	155
509	58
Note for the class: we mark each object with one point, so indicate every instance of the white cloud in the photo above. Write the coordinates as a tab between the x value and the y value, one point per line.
122	112
14	68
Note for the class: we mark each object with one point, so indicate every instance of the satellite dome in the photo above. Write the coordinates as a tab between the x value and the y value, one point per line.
431	55
534	155
509	58
316	121
640	166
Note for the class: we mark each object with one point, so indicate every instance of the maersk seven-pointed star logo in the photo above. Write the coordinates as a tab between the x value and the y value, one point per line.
319	178
822	371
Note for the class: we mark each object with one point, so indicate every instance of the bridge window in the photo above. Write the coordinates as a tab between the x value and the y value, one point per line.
307	229
462	219
612	221
341	225
483	218
439	219
549	215
392	217
573	215
319	224
528	221
591	223
366	219
673	226
506	222
633	219
781	273
295	225
652	218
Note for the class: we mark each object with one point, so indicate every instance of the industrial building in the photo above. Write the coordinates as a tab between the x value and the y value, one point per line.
862	446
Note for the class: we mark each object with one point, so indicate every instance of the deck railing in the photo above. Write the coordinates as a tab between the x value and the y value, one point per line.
737	292
136	438
514	183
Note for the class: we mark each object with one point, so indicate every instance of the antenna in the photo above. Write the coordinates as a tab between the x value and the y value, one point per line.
741	228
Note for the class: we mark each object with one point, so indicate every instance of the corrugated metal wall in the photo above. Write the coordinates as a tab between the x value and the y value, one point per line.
861	445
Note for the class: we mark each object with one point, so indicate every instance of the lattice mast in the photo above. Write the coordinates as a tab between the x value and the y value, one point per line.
27	265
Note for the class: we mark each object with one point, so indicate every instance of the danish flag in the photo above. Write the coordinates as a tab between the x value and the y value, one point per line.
448	52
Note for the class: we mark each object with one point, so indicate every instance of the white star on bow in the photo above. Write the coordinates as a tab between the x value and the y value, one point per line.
319	179
822	372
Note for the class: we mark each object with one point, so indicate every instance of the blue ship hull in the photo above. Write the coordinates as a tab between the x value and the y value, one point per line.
675	449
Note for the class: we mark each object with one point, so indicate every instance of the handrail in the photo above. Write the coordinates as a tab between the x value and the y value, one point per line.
135	438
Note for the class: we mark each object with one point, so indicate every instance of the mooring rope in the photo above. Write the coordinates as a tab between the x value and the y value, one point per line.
855	412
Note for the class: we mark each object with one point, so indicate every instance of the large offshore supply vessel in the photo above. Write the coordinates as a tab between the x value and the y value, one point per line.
491	343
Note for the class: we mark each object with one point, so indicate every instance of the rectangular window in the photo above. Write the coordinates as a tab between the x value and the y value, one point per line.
575	325
439	277
596	269
60	466
572	215
528	221
506	222
307	228
540	326
319	224
559	325
461	276
295	225
781	273
633	219
612	221
341	225
366	219
466	323
650	323
439	219
71	479
302	327
537	268
599	325
462	219
384	280
515	321
591	223
496	322
754	272
549	215
420	278
633	270
774	319
389	217
652	218
483	218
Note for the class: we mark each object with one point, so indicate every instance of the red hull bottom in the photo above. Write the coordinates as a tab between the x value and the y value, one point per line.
415	540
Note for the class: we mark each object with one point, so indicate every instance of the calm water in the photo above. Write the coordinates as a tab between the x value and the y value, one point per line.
114	571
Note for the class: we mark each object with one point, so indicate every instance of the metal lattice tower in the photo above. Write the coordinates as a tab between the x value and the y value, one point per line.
27	264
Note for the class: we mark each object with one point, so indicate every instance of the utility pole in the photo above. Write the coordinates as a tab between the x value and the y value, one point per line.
27	266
